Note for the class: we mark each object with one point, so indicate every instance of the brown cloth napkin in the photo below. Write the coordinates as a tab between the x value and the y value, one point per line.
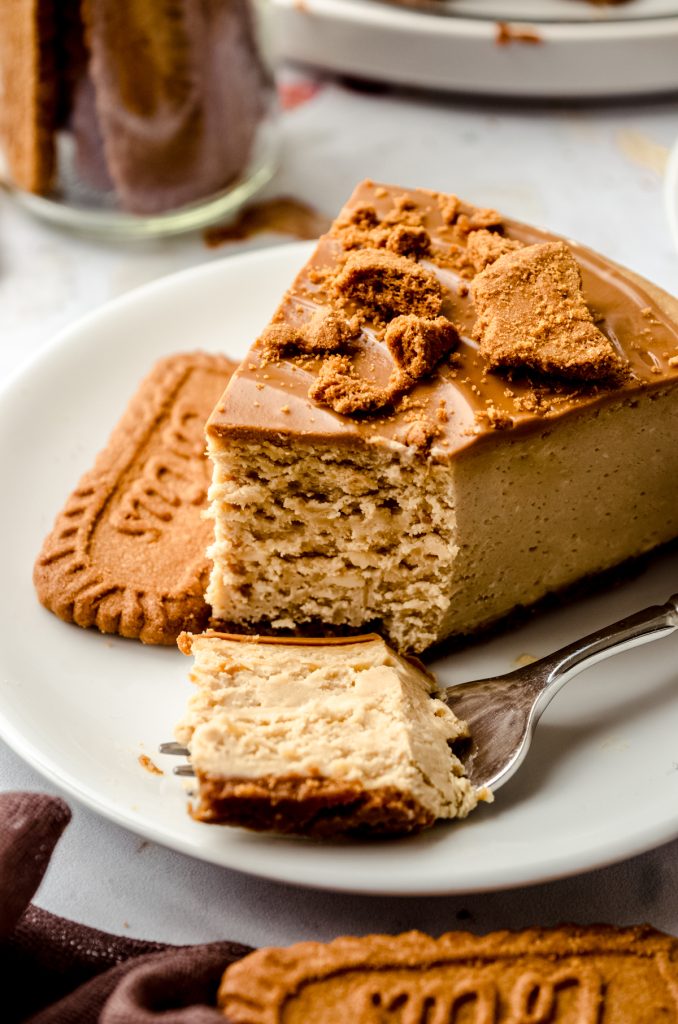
54	971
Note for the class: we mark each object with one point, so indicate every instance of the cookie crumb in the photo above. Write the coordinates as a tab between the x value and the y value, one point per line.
387	284
477	219
408	240
420	434
364	215
485	247
324	332
495	418
328	332
145	762
417	344
338	387
450	207
531	313
404	202
279	340
400	230
511	34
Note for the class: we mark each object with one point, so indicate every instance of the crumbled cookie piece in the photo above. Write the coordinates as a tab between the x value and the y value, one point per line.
494	418
359	227
484	247
386	284
507	33
279	340
404	214
485	217
401	231
531	313
338	387
320	276
450	207
404	202
364	215
326	331
417	345
421	434
409	240
477	219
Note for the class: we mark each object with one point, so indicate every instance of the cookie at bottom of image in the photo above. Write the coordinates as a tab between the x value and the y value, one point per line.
565	975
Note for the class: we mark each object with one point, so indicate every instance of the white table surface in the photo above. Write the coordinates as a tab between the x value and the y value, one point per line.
594	173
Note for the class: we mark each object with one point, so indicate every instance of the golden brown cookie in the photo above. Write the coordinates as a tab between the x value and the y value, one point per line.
28	89
565	975
127	553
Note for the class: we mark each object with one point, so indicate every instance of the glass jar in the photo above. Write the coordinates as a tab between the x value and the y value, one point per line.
137	117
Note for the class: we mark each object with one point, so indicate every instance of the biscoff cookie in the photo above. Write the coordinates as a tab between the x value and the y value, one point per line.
127	552
28	88
565	975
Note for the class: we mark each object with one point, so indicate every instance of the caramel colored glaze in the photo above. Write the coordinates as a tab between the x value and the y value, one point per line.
640	320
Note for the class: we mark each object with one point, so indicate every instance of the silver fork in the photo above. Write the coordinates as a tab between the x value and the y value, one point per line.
178	750
502	712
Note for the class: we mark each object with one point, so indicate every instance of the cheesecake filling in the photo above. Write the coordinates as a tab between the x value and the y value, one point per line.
351	714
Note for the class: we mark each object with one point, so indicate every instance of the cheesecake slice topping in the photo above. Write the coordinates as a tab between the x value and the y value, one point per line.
531	314
537	326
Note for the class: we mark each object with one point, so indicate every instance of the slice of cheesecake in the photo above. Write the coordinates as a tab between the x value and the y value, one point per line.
451	415
320	737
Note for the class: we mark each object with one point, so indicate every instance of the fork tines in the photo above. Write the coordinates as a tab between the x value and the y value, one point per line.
174	748
178	750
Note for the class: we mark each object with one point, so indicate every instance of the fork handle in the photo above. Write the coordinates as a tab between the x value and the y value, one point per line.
649	624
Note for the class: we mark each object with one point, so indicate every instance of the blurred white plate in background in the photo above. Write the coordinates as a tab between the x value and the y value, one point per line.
559	10
584	49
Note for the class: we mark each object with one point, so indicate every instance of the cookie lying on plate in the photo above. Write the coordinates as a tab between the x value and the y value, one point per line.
127	552
565	975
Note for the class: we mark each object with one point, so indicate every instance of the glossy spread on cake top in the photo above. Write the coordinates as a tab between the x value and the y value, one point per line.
272	395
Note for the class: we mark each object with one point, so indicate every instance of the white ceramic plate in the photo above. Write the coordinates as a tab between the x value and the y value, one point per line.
567	11
585	50
601	783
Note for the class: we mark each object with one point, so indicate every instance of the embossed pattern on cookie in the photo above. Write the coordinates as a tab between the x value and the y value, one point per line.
565	975
127	552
